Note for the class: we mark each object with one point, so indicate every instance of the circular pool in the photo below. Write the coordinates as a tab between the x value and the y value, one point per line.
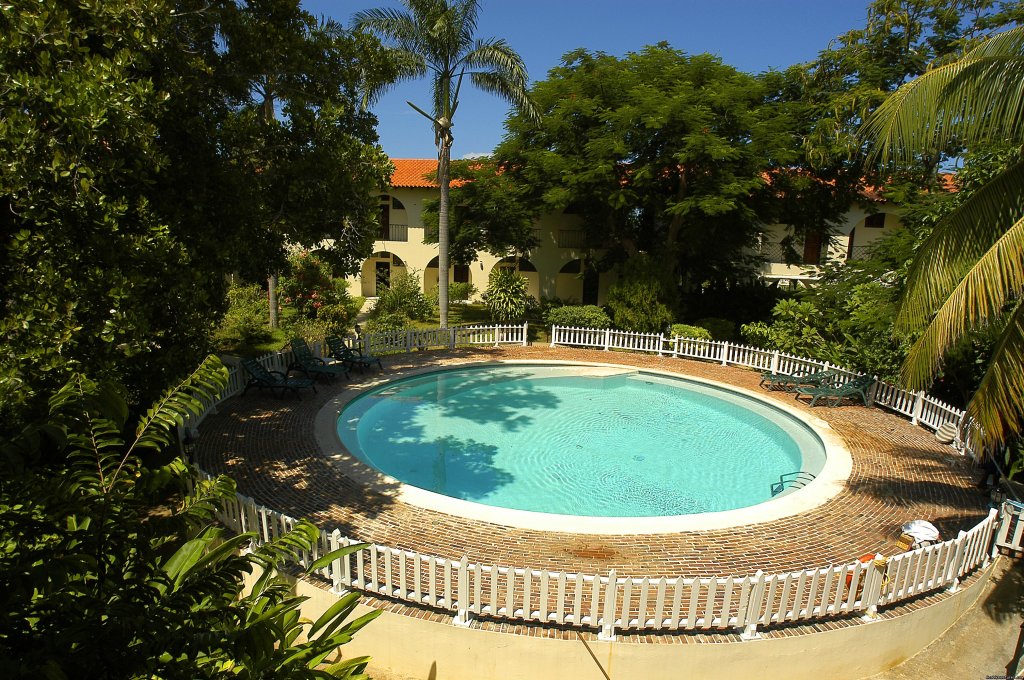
587	441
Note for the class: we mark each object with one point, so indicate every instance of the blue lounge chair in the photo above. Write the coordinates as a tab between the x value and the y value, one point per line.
263	379
314	367
350	356
788	381
858	387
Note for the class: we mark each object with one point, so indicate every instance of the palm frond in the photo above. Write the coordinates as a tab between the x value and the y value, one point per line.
996	405
994	280
956	243
203	386
974	99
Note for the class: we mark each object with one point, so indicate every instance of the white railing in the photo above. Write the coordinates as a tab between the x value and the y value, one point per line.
921	408
609	603
1011	527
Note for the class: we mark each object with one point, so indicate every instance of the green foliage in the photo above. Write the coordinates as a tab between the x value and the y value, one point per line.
506	296
687	331
111	564
643	296
390	321
793	330
578	316
461	291
720	329
138	175
245	322
402	297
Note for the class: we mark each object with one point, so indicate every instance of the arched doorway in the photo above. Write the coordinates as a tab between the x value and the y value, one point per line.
457	273
578	280
377	271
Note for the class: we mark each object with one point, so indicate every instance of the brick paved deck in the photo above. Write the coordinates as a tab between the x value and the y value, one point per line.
899	473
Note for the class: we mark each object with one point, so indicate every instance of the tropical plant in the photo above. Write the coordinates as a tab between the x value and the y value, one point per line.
111	563
506	296
436	37
309	285
967	274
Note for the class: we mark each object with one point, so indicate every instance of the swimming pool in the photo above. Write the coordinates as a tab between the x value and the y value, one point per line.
589	441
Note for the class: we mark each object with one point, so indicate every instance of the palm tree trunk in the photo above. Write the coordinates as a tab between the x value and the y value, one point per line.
444	148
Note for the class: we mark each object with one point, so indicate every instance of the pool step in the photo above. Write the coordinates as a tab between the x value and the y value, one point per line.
792	480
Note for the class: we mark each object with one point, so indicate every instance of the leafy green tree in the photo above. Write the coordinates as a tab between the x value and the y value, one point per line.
299	131
436	37
111	564
655	152
968	273
136	178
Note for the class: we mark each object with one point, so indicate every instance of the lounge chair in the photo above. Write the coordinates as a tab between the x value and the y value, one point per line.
263	379
350	356
788	381
314	367
858	387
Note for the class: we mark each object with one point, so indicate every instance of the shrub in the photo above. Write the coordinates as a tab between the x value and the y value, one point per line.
245	322
460	291
634	305
391	321
506	295
403	297
579	316
688	331
720	329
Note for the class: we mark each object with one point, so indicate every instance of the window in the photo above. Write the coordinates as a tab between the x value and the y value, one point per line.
876	221
461	274
570	238
396	204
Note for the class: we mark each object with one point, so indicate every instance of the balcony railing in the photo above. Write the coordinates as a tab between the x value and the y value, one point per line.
395	232
570	238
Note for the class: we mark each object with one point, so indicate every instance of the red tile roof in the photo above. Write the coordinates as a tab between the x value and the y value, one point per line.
414	172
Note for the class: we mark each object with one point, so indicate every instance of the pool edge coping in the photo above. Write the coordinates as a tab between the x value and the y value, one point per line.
830	482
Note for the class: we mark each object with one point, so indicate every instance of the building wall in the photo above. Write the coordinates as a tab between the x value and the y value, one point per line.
560	237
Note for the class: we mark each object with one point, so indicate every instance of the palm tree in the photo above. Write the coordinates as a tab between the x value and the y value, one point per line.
969	274
435	37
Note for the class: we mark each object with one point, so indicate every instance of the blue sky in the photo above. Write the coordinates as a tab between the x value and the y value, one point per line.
752	35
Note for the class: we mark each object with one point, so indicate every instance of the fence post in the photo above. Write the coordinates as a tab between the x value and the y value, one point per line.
775	362
957	564
607	633
451	338
753	612
918	407
337	586
724	353
462	616
607	338
872	591
526	325
554	329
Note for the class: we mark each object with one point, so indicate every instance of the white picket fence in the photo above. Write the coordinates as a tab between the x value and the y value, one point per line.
611	604
921	408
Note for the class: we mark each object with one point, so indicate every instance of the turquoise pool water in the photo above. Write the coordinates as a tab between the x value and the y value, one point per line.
578	440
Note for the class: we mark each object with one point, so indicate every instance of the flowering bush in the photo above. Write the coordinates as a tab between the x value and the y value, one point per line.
309	285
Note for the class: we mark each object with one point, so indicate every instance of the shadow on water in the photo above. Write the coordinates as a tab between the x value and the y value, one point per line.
491	395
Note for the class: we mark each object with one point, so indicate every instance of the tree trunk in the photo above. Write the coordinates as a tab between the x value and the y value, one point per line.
272	299
444	148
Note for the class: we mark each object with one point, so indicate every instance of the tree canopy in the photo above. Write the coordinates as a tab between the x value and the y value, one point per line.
135	176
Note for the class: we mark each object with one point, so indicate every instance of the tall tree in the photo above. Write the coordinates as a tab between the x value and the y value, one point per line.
295	117
969	272
436	37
